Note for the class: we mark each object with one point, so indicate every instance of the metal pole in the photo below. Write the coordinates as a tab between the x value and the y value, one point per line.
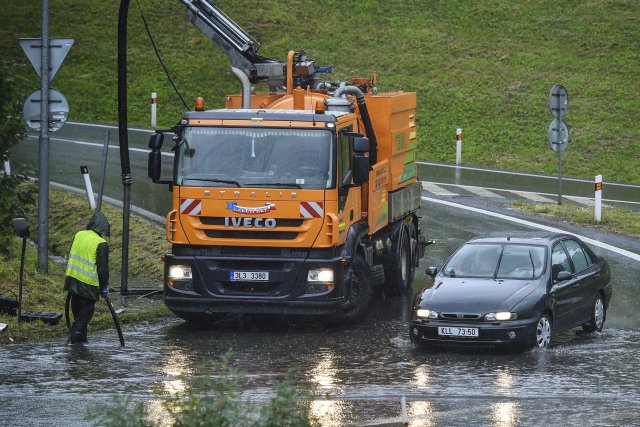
43	147
103	168
24	245
87	183
559	177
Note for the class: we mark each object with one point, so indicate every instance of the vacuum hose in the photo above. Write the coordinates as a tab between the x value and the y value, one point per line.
364	114
113	315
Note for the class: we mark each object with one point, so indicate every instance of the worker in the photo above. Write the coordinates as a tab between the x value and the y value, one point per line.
87	275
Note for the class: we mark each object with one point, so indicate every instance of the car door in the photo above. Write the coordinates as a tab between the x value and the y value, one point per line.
565	295
586	275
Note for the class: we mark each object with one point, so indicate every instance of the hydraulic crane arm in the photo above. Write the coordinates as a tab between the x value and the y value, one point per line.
242	49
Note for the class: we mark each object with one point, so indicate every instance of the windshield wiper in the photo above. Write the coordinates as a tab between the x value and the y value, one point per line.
223	181
283	184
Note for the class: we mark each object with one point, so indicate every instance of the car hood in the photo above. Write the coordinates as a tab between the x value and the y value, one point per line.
465	295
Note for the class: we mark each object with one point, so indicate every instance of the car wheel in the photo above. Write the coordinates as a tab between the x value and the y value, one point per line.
357	292
543	332
597	316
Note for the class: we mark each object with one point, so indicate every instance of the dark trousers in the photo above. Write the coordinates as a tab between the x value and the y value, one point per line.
82	309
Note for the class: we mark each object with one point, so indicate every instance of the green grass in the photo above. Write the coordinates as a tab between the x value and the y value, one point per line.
486	67
70	213
613	220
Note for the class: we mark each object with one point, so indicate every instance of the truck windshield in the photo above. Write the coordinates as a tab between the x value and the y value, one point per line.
248	157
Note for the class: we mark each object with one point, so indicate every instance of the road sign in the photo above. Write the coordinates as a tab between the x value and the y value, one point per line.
558	136
558	101
58	49
58	110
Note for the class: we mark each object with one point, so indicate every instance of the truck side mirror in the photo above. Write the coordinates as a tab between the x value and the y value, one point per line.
154	166
361	144
361	169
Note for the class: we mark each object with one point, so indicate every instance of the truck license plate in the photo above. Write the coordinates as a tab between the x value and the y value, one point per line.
249	276
457	332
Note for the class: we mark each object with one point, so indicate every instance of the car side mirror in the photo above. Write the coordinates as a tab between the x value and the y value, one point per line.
432	271
563	275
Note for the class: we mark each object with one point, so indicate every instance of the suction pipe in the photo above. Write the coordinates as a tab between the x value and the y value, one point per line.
366	120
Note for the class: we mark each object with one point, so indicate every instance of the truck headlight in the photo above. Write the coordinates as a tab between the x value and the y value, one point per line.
180	272
500	316
320	281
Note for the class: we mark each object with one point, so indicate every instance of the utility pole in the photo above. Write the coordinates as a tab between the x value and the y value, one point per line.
43	147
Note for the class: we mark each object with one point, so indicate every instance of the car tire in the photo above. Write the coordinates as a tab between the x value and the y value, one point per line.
542	332
598	314
358	293
402	270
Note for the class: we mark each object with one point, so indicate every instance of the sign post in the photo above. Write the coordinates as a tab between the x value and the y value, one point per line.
558	131
598	199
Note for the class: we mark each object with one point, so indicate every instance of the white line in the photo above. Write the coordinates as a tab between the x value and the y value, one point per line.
480	191
584	201
95	125
433	188
602	245
420	162
94	144
532	196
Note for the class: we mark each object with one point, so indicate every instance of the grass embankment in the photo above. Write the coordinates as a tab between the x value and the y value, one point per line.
613	220
70	213
486	67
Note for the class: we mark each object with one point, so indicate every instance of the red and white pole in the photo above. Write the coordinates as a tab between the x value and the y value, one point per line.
154	106
598	198
458	146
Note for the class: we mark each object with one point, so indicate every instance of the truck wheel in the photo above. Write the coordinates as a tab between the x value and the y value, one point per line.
358	292
402	270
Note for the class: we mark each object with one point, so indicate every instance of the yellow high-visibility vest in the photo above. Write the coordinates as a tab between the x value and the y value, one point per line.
82	258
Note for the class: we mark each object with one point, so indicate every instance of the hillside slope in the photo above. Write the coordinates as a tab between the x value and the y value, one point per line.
486	67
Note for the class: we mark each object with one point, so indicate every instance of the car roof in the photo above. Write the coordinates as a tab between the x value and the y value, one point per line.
531	237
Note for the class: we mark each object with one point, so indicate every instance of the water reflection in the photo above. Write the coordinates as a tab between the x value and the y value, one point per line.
329	412
505	414
421	376
421	414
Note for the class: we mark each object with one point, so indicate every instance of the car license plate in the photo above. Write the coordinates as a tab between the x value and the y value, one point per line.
457	332
249	276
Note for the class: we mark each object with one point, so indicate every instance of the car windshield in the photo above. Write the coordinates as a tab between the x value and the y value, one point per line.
246	157
495	260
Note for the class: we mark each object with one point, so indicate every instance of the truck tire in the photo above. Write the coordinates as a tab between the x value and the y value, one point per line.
358	293
402	270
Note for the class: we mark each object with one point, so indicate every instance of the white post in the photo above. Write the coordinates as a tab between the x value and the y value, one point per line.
7	167
458	146
403	408
87	183
598	204
154	106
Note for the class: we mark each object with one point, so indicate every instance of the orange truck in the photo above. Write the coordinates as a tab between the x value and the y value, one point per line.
300	200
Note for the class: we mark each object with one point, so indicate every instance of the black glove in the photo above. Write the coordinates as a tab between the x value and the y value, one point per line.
105	292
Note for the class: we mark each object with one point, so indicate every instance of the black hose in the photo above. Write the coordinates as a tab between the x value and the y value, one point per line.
66	313
115	321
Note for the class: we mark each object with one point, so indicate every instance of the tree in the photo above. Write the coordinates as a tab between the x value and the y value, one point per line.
17	199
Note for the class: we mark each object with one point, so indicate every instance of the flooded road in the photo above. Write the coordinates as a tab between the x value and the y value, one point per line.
357	373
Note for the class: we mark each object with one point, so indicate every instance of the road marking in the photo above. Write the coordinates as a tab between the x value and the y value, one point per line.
94	144
534	175
480	191
95	125
532	196
435	189
584	201
602	245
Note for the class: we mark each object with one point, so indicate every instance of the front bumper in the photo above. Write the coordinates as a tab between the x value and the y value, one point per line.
212	290
490	334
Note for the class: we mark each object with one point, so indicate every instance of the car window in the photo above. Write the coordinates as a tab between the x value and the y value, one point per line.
559	260
577	254
521	262
474	260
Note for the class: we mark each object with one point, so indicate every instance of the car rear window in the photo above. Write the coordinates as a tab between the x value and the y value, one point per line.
495	260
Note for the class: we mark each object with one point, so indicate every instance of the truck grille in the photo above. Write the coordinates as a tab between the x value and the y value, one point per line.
235	234
282	222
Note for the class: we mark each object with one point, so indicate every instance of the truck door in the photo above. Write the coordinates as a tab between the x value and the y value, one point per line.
348	196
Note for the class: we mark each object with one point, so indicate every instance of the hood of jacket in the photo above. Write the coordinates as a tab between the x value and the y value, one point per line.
100	224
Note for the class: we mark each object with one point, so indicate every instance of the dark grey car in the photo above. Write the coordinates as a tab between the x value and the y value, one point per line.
512	290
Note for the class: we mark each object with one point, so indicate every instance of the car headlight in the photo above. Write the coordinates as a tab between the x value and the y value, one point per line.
426	314
500	316
180	272
324	275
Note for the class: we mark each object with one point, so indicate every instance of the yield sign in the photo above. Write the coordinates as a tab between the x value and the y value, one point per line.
58	49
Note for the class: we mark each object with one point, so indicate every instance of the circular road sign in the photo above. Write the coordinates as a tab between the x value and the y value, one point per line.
558	136
558	101
58	110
